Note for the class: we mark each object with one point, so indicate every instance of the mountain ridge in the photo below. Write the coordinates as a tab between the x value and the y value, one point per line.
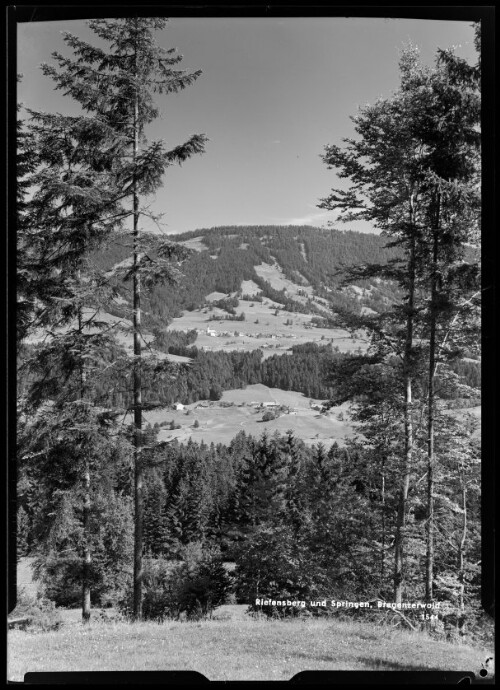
300	268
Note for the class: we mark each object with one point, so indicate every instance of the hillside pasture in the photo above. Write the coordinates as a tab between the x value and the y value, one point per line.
265	327
248	287
215	296
234	646
195	243
274	275
263	394
239	410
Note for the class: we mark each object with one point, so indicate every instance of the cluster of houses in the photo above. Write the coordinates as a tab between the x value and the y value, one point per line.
229	334
215	334
264	404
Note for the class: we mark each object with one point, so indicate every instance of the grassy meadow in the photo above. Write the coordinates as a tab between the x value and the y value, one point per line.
234	646
263	328
218	423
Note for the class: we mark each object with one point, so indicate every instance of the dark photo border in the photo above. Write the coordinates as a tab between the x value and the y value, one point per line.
486	14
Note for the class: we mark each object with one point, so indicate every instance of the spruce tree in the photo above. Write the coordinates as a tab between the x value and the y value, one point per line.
57	225
117	86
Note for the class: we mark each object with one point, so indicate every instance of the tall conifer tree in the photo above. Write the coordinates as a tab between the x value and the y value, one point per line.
115	90
71	207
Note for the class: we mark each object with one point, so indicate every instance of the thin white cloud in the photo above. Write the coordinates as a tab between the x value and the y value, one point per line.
308	219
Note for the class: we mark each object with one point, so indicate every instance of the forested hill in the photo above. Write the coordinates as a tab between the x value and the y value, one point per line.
316	254
223	257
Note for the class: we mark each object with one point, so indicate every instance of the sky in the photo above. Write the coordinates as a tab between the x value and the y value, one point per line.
273	93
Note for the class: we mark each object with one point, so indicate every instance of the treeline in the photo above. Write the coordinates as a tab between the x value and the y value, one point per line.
209	374
226	493
298	520
468	371
309	369
317	254
174	342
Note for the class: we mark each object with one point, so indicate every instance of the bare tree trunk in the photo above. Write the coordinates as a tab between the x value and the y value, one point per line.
429	564
87	560
461	548
399	541
86	554
138	477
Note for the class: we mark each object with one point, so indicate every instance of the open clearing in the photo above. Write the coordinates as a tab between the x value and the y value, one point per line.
278	281
265	327
248	287
242	410
195	243
234	646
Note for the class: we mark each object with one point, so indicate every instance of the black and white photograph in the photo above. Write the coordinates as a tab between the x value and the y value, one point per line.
247	438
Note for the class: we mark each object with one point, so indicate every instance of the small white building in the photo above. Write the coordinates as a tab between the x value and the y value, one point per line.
179	406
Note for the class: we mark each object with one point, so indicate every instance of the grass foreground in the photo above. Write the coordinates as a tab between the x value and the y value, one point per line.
234	646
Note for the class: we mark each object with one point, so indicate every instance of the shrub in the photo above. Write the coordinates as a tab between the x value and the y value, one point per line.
268	416
155	585
193	587
215	392
273	564
480	627
200	583
60	573
105	616
61	578
41	612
